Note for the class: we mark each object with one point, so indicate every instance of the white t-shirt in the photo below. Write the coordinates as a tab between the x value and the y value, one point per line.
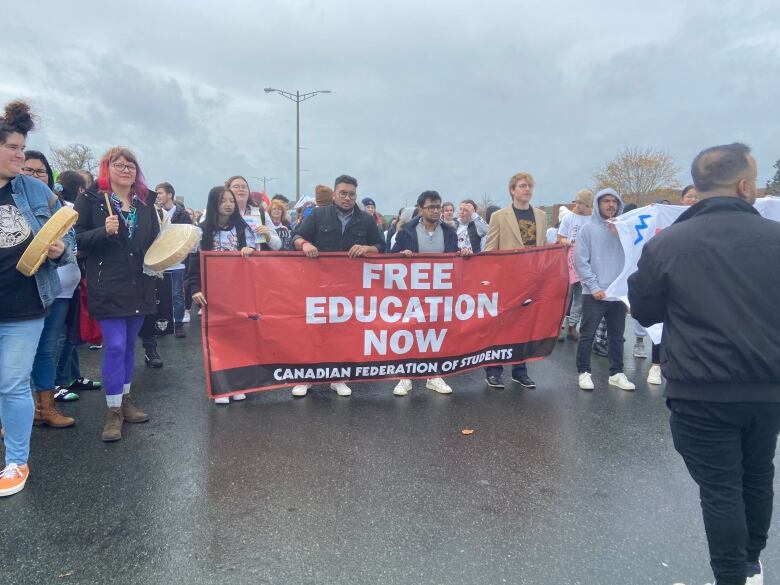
571	225
69	275
252	218
227	240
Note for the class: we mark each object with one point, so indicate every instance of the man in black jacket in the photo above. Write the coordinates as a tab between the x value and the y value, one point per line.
339	227
711	279
427	234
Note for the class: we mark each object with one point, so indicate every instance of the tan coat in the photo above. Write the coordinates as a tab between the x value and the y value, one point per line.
504	232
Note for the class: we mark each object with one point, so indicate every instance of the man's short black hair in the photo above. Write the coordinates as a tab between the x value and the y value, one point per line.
345	179
427	196
719	166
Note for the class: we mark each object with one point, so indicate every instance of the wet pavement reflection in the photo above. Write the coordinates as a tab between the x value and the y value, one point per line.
555	486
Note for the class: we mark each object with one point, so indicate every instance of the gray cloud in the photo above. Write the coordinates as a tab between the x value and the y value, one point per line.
451	96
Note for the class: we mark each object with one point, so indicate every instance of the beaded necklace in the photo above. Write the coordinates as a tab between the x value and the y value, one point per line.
129	217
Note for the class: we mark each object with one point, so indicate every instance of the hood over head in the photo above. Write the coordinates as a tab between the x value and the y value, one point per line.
596	216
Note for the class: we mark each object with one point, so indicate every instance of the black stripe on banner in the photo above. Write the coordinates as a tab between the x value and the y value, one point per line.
269	376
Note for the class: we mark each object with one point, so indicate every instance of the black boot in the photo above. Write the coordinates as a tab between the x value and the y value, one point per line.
152	358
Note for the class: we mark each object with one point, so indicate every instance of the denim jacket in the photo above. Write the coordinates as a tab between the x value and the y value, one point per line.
32	198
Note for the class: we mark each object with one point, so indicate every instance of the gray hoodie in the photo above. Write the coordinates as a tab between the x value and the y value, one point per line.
598	254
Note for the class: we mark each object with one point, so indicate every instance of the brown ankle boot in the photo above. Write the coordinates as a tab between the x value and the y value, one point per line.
112	430
37	420
131	412
573	335
46	412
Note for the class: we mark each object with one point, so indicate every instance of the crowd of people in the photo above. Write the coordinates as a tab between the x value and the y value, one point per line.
705	278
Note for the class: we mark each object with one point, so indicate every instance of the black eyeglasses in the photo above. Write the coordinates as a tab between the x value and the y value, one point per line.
348	194
130	167
29	171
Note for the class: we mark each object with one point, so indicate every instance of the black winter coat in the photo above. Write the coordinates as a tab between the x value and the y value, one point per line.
323	229
180	214
712	278
116	285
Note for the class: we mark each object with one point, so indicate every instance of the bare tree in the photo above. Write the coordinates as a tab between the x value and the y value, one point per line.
74	157
485	202
638	171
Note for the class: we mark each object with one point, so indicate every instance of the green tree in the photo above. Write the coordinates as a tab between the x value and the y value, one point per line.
773	186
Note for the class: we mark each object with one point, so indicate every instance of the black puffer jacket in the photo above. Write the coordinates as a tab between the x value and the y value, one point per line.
116	285
712	278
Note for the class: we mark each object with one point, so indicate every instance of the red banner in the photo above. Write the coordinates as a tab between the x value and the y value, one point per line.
279	319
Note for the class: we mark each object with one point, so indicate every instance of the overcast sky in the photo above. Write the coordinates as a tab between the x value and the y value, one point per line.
447	95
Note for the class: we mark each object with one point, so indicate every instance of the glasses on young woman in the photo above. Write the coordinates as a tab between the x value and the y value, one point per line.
121	167
31	172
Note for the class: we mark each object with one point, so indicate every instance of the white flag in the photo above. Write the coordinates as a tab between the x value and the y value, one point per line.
636	227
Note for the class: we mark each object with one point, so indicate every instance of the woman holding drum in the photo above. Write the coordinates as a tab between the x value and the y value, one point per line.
26	205
117	224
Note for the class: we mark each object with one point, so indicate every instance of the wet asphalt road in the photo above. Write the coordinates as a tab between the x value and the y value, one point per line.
556	486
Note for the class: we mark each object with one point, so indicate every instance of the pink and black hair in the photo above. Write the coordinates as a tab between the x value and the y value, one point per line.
103	182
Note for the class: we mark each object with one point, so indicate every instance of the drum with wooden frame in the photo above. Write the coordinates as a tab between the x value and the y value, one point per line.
54	229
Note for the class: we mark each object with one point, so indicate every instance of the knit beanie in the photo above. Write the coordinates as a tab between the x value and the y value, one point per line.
584	196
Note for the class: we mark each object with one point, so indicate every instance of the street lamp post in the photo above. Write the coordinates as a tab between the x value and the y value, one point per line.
297	97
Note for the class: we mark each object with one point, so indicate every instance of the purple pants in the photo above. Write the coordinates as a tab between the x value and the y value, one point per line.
119	351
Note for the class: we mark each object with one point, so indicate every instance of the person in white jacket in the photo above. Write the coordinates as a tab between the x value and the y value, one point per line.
260	222
471	228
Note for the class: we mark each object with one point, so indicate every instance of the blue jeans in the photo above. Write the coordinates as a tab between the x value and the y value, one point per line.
18	341
177	285
68	368
49	346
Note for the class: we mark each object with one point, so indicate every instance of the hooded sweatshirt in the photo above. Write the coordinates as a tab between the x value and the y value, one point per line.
598	254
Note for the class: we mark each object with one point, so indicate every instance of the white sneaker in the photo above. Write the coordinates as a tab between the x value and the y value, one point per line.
239	396
621	381
403	387
586	382
186	318
439	385
300	389
639	350
341	389
222	400
654	375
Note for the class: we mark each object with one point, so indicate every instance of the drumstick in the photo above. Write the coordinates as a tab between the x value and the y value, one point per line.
108	204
